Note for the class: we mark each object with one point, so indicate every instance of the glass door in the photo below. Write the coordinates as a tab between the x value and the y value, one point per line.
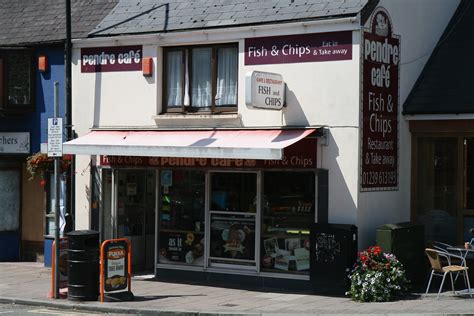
233	220
136	214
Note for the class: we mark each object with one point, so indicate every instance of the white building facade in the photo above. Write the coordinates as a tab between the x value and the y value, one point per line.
171	155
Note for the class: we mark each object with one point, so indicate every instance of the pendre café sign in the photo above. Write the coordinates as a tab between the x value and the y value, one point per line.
380	89
115	58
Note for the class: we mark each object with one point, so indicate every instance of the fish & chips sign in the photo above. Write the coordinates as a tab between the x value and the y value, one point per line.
380	99
264	90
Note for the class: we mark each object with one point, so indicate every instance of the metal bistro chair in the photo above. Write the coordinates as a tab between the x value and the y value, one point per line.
437	268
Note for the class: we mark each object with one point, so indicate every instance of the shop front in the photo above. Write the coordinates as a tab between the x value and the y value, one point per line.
13	149
248	216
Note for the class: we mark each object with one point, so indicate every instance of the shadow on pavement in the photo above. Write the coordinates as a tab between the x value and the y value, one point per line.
144	298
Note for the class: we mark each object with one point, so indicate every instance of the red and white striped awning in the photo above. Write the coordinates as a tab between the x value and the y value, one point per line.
230	144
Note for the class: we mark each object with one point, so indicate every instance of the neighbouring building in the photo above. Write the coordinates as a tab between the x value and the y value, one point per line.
32	37
213	134
440	112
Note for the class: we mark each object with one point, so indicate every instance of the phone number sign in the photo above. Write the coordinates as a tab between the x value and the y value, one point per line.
380	87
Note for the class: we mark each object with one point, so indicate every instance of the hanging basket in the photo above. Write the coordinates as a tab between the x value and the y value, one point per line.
40	163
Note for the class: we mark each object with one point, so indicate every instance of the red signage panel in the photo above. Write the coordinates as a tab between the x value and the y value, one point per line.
298	48
115	58
380	103
300	155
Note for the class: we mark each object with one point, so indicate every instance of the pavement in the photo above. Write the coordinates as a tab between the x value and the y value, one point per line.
27	283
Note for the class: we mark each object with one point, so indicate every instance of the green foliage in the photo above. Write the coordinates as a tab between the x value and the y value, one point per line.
377	277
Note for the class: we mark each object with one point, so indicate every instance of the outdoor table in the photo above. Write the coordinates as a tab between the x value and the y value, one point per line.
463	252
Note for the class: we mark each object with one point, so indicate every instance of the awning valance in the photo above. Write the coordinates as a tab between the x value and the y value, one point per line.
230	144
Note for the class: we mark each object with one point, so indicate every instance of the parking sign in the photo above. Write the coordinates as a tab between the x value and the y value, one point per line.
55	137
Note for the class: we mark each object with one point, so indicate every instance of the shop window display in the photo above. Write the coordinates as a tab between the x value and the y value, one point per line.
181	225
288	211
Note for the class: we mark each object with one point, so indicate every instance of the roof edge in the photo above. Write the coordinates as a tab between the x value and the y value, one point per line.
220	27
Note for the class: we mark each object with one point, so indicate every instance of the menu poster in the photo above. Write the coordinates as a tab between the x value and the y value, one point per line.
233	238
181	247
116	266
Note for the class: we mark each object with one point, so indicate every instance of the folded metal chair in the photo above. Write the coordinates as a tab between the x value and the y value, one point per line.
437	268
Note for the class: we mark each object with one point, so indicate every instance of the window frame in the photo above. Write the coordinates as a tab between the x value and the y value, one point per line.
6	107
187	50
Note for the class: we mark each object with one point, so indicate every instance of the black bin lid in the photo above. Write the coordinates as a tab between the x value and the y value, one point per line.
83	233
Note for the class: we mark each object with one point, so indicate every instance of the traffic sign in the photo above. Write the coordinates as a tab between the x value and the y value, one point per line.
55	137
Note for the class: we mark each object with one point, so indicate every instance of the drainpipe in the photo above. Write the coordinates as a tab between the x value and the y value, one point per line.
68	112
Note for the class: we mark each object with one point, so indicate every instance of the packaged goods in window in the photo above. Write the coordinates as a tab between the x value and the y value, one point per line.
290	255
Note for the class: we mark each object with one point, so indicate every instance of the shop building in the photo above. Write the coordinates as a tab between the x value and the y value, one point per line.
32	36
440	113
213	135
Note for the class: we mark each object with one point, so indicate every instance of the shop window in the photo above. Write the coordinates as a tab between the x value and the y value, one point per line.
288	211
181	224
16	81
10	199
201	79
469	167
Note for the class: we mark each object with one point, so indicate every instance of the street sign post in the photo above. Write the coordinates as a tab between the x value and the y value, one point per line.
55	137
55	149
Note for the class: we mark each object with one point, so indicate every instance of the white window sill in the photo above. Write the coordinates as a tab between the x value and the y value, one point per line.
198	120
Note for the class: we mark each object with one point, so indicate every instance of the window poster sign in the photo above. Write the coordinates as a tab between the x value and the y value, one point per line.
232	237
116	265
298	48
115	58
380	87
184	247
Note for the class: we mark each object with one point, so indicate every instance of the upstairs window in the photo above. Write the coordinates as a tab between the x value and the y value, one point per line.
201	79
16	80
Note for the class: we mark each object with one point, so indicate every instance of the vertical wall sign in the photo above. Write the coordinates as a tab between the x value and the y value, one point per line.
379	119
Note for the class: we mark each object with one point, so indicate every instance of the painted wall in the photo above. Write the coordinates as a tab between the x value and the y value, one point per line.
32	217
319	94
36	122
420	25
